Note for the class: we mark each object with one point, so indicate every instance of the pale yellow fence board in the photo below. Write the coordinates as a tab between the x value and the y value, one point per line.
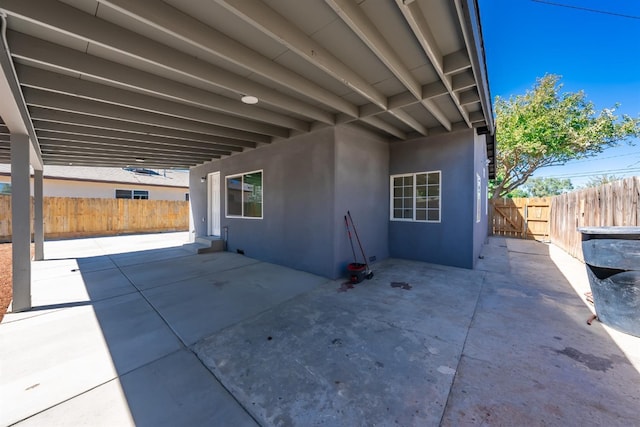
525	218
614	204
79	217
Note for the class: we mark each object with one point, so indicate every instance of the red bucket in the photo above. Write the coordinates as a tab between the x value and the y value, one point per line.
357	272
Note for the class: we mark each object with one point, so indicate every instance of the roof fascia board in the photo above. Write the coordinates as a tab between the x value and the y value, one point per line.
469	15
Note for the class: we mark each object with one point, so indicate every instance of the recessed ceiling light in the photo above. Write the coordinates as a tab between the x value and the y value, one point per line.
139	160
248	99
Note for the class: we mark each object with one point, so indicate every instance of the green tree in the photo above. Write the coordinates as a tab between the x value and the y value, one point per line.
543	187
597	181
518	193
546	128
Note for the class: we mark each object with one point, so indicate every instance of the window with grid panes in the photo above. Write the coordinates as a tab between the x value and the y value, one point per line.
416	197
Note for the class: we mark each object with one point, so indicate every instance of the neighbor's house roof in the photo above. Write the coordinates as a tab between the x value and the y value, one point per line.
114	175
106	82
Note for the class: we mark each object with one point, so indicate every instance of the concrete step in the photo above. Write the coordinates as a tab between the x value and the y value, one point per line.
209	244
195	248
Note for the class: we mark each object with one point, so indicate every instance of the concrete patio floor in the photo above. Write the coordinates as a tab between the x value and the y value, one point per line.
138	330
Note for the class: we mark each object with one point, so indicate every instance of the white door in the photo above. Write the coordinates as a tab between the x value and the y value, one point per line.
214	204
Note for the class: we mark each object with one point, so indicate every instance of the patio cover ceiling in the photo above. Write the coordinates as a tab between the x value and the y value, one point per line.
121	82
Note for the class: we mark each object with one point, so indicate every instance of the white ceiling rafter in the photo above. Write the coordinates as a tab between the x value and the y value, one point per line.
39	51
104	79
277	27
69	20
415	19
58	83
170	20
355	18
81	131
56	101
87	140
109	123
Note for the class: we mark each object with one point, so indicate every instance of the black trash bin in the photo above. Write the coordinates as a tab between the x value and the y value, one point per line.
612	257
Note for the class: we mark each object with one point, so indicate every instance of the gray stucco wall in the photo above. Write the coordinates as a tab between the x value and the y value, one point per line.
362	187
481	228
298	205
449	242
311	181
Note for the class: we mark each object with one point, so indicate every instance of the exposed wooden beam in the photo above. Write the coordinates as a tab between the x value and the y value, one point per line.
52	82
362	26
78	130
70	20
43	52
35	97
271	23
130	157
381	124
469	97
116	161
355	18
463	81
50	148
476	117
123	157
414	16
65	117
455	62
88	161
166	18
407	119
97	141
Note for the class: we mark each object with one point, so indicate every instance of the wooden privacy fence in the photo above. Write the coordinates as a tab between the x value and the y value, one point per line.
525	218
77	217
614	204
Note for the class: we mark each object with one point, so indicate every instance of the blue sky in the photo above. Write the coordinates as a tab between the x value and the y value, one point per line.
595	52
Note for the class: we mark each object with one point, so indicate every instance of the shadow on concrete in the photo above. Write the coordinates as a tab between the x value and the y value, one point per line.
531	358
179	298
160	336
108	337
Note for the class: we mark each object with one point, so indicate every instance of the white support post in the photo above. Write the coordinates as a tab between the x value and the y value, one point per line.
38	217
21	222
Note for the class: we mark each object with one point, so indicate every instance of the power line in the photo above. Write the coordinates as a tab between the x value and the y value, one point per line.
603	12
593	173
595	159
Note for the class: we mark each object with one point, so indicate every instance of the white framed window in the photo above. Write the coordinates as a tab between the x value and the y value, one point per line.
415	197
244	195
141	194
132	194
